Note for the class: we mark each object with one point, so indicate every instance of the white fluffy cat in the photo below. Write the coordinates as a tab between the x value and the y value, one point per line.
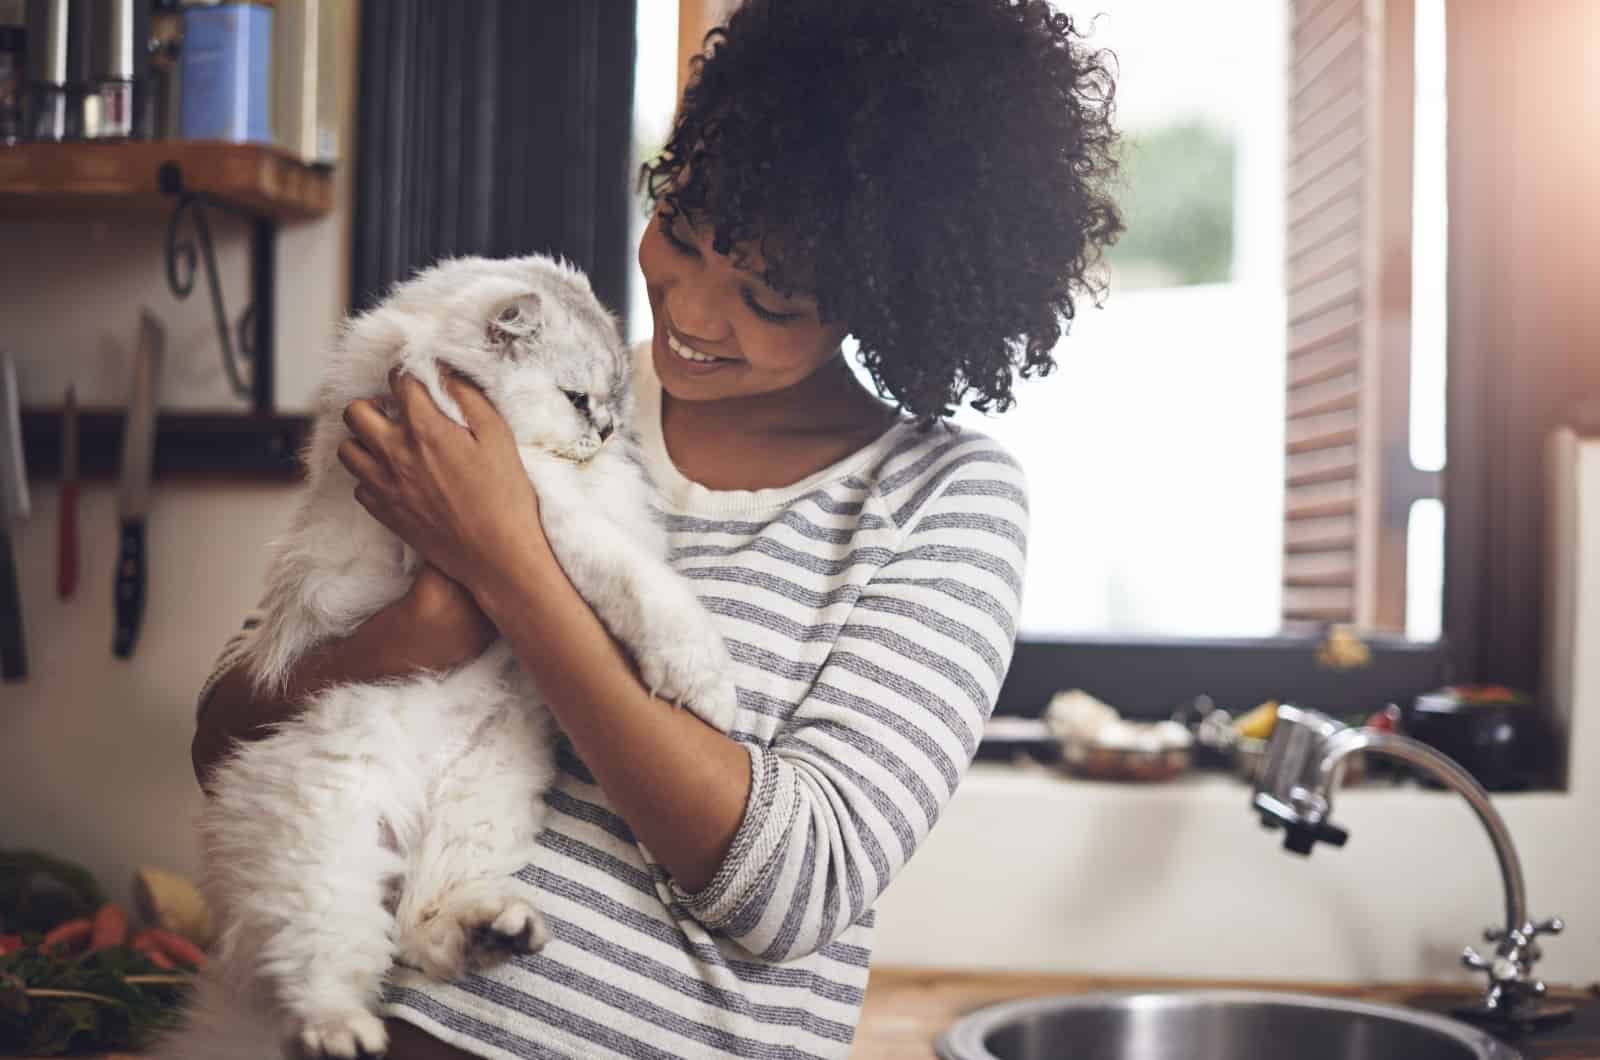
383	822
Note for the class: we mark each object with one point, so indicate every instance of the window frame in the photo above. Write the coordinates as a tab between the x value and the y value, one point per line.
1148	677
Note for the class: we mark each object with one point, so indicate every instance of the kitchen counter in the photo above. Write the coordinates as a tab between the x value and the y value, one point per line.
907	1009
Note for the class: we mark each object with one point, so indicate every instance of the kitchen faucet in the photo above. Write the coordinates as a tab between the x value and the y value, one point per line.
1304	762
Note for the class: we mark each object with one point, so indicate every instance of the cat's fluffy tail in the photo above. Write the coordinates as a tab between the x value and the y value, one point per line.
221	1021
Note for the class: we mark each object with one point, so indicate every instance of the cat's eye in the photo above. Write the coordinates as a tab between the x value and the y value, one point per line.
580	401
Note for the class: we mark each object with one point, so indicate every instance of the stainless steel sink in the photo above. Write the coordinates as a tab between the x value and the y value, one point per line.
1213	1025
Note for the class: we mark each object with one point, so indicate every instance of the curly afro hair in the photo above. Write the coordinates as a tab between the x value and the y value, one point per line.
935	172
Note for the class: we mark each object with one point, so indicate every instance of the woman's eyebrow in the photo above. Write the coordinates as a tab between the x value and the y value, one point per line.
758	274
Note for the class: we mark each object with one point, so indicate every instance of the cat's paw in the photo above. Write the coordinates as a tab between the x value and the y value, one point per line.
717	705
471	931
692	672
353	1035
519	929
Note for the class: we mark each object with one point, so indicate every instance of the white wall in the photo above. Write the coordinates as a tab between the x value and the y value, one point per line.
1029	870
94	750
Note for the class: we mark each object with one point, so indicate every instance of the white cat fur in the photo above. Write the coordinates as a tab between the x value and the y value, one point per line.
383	822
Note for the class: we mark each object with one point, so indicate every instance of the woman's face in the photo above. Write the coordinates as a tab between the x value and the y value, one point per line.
703	305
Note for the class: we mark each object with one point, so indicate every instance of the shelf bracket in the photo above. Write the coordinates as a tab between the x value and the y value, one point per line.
247	355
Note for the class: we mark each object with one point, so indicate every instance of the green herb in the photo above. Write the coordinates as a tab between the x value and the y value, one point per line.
114	999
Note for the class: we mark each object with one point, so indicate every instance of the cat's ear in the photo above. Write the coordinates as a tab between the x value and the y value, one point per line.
517	321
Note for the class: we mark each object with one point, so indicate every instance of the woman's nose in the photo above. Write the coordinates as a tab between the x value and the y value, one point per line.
694	314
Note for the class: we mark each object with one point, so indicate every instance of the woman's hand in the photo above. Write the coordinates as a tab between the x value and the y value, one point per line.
459	496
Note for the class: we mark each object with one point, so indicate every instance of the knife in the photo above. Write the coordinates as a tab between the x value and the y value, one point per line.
14	508
133	500
67	499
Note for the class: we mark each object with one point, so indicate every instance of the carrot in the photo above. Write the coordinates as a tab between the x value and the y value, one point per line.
177	947
71	933
110	928
157	958
10	944
143	943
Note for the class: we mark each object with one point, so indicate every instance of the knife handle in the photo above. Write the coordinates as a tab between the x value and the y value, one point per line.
130	587
13	659
67	541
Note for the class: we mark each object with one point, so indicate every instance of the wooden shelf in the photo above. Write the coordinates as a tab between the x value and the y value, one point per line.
54	178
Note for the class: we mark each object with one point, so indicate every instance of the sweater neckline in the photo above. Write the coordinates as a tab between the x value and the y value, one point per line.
685	494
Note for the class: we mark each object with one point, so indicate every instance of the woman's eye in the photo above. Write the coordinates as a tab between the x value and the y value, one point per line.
767	314
579	400
682	246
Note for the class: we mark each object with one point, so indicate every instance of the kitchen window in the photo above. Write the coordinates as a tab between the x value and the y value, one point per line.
1208	486
1254	416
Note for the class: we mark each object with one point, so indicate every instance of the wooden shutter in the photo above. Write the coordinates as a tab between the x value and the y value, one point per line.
1349	482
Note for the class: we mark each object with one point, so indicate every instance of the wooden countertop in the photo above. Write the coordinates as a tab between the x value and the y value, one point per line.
906	1009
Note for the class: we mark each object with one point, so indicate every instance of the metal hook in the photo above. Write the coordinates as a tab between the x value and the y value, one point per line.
181	259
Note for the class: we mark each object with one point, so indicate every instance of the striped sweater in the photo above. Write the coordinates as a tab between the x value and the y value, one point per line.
870	611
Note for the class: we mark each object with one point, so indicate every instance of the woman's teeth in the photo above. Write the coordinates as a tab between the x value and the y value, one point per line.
691	355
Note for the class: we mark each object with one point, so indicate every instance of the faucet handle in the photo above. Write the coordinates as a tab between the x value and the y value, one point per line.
1553	926
1512	985
1527	932
1300	833
1478	962
1510	979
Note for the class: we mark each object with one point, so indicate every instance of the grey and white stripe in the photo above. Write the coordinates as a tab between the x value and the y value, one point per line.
870	610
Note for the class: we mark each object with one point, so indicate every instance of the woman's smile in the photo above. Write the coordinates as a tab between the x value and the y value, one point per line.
690	359
672	354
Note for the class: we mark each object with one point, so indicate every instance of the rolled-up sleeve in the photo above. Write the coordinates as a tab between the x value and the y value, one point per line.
858	775
232	652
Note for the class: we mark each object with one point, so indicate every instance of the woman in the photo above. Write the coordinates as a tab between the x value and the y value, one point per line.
923	175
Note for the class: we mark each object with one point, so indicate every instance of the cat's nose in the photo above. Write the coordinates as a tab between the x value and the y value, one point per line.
605	432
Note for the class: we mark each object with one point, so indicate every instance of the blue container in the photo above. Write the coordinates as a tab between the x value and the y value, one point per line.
226	72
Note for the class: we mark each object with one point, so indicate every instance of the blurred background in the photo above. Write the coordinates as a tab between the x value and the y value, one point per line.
1345	378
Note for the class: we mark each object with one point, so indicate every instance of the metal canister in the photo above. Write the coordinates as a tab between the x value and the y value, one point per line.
226	71
114	35
45	104
13	59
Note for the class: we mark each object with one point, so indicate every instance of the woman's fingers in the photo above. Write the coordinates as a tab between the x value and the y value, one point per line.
417	409
360	462
479	411
367	423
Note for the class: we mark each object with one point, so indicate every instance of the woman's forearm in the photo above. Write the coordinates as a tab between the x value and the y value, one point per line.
680	784
419	631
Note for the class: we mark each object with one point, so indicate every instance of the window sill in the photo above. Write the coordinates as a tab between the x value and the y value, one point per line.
1148	677
1209	787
